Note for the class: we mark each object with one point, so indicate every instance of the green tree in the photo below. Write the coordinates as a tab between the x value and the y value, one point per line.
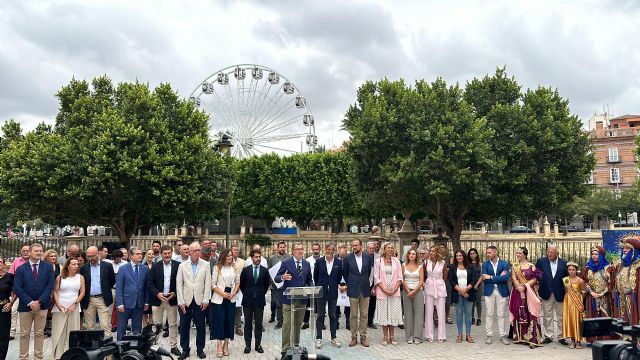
124	156
488	149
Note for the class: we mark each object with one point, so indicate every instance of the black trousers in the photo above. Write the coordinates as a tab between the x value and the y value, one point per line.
252	316
5	325
372	309
192	312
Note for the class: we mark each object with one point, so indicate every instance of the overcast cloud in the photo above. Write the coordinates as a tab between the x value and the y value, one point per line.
589	50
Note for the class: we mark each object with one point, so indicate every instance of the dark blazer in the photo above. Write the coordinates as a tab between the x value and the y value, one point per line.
496	279
551	285
155	282
253	293
107	282
297	280
328	282
136	290
472	278
357	282
28	290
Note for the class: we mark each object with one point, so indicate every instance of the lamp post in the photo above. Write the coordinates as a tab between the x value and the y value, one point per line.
224	146
619	218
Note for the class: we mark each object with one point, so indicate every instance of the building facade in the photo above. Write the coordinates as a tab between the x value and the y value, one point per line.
615	152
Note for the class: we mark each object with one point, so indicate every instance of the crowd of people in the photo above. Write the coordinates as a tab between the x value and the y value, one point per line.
187	285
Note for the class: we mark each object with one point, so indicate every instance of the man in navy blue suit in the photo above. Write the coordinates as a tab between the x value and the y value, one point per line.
33	284
254	283
495	275
132	281
328	274
294	272
551	291
356	270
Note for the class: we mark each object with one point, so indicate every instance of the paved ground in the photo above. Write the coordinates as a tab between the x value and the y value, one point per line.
447	350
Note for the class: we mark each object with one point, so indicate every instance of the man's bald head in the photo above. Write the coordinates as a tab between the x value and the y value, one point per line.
92	254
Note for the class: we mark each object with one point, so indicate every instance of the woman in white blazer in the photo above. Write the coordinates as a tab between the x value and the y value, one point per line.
225	283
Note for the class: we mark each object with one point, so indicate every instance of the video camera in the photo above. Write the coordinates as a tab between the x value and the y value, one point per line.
612	349
301	353
91	345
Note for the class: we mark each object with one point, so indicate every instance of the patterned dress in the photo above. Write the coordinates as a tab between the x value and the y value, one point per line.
628	289
598	282
389	310
525	325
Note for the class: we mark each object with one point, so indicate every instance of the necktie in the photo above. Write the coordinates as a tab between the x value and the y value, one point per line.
35	272
255	274
299	267
136	272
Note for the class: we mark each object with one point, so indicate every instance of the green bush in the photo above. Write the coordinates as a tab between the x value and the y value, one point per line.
258	239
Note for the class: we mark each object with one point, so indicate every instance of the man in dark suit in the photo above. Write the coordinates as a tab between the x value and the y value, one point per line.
161	283
356	271
99	279
294	272
254	283
132	281
328	274
33	284
551	291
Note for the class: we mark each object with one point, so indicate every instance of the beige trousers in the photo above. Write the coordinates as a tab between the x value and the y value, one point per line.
96	305
37	319
549	307
62	324
359	307
14	318
172	318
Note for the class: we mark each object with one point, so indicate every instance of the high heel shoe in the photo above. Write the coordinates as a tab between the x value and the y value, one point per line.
459	339
384	341
393	341
469	339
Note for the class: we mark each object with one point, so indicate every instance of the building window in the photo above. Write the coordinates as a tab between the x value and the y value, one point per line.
613	154
614	176
590	179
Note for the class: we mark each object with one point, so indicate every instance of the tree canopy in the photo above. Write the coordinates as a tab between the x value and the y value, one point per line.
124	155
487	148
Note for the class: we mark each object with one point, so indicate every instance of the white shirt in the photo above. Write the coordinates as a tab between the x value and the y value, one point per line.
495	269
358	261
554	267
117	266
176	257
167	277
312	262
462	278
329	264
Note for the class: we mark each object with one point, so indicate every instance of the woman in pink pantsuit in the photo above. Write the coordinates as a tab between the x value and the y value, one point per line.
435	293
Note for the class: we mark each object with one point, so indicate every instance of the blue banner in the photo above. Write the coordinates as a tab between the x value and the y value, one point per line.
611	240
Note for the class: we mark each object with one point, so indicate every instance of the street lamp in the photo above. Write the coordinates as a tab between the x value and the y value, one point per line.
224	146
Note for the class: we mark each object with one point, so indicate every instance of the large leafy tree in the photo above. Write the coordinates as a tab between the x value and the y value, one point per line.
125	156
487	149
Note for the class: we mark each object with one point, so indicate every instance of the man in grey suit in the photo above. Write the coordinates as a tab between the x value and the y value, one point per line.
356	270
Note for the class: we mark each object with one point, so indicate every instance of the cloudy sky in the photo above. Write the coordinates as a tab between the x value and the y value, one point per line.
589	50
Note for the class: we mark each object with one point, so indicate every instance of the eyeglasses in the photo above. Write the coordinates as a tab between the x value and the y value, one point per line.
195	250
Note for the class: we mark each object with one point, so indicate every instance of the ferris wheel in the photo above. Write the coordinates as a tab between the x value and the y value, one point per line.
256	110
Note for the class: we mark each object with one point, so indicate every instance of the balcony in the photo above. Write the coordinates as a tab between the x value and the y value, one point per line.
621	132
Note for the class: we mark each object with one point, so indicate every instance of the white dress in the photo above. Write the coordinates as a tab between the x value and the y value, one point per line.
62	323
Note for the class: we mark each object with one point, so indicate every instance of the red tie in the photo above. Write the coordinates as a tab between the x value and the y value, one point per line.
35	272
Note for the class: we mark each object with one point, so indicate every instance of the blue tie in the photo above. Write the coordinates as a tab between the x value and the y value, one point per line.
136	272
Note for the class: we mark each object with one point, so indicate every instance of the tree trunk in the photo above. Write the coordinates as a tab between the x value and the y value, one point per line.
453	222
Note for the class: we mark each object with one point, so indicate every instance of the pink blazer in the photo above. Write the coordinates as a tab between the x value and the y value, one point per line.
379	276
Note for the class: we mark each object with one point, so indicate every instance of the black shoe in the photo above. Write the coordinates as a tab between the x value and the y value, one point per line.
185	355
305	326
563	342
12	338
278	326
400	326
247	349
201	354
272	320
263	330
547	340
478	322
175	351
165	334
113	330
211	337
348	327
259	349
372	326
